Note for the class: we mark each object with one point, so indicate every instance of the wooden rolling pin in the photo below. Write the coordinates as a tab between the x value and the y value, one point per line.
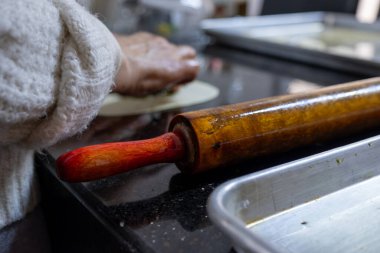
206	139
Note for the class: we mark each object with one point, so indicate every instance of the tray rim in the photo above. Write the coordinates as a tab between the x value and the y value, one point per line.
222	31
236	230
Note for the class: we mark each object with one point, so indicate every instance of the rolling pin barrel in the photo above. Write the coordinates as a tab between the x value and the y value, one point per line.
227	134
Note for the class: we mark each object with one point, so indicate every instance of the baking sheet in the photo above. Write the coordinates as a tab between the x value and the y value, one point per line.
329	39
328	202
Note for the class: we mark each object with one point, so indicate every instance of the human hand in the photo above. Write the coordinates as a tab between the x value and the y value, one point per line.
152	64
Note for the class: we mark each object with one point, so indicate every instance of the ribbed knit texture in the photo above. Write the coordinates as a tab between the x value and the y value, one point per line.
57	63
18	191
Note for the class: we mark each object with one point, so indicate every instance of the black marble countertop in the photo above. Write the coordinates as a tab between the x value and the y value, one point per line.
156	208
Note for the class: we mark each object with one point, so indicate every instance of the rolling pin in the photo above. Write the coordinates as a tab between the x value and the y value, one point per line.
201	140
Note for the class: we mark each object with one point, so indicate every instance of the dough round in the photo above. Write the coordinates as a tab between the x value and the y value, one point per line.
193	93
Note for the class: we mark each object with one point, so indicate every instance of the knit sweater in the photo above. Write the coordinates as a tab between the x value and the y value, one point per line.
57	63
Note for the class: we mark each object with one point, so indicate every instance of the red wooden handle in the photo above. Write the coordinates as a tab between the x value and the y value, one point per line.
98	161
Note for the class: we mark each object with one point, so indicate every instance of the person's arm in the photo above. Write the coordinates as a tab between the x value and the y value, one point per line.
91	58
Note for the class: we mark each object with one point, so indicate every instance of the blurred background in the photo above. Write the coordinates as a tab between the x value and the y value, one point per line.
179	20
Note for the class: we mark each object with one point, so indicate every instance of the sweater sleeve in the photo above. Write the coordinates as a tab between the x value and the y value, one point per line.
57	63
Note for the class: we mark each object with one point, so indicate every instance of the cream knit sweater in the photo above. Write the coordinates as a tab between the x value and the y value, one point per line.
57	63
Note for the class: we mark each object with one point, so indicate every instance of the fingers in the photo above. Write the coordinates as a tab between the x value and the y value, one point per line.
147	45
172	73
164	77
187	71
186	52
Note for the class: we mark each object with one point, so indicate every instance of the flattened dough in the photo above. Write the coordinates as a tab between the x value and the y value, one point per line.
193	93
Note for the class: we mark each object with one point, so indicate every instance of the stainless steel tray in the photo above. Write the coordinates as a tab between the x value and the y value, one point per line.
329	202
332	40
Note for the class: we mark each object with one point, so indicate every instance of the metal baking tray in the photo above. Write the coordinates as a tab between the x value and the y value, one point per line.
331	40
329	202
